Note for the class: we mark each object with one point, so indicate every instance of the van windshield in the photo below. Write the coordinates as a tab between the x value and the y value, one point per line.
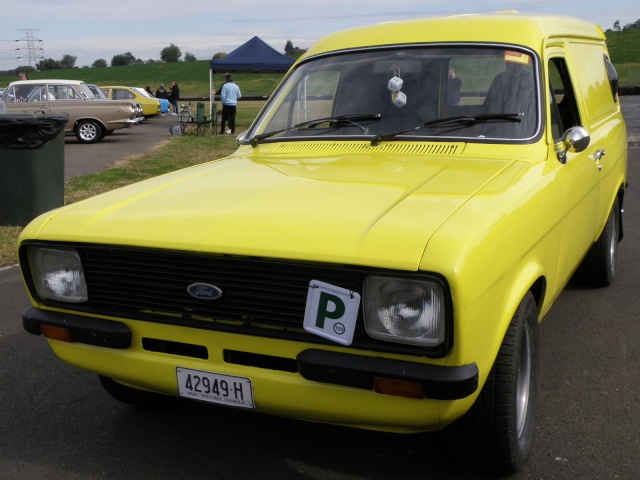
455	92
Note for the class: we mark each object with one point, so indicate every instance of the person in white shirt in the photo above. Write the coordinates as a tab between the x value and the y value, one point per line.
229	95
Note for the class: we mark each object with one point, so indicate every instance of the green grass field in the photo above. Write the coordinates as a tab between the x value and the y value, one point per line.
624	48
192	77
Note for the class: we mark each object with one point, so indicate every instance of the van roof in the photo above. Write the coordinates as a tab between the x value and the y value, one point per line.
507	27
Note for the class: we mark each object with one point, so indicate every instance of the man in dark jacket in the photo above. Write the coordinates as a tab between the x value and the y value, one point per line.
161	92
174	96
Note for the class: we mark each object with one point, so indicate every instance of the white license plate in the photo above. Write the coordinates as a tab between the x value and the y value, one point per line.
215	387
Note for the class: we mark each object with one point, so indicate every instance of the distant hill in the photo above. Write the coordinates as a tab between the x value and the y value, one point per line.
192	77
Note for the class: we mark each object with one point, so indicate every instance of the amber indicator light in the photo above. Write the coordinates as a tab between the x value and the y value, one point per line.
56	333
398	388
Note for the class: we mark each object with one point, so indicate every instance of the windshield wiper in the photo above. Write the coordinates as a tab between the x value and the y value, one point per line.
375	141
341	119
463	120
471	119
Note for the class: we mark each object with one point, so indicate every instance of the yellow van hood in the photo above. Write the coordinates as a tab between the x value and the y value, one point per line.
377	210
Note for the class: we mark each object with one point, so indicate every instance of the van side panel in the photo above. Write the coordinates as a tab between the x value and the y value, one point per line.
588	60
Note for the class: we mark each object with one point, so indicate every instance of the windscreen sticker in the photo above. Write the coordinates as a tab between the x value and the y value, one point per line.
517	57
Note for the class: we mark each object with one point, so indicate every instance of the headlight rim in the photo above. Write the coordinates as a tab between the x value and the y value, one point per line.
26	259
443	347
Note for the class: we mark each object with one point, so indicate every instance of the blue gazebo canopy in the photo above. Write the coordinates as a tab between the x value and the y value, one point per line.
253	56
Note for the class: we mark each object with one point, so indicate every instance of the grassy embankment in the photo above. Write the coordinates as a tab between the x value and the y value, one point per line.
193	78
624	48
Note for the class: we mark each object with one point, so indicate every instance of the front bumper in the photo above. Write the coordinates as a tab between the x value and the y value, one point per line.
313	364
87	330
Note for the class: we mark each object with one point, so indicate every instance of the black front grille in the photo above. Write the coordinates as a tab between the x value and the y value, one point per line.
257	291
260	297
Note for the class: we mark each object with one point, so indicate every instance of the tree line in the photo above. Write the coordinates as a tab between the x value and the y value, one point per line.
629	26
172	53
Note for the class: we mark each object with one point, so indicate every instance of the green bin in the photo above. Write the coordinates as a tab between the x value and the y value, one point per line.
31	166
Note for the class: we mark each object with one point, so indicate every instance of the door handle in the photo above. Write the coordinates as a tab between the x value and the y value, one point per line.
597	156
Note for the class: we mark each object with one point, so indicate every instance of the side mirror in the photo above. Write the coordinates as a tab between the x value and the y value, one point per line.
575	140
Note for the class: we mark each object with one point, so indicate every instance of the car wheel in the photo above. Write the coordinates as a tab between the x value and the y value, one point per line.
134	396
88	131
598	269
502	418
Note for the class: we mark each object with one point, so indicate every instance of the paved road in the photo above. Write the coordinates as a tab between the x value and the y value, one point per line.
80	159
57	423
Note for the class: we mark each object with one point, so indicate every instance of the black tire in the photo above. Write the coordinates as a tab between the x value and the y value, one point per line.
89	131
598	269
136	397
503	417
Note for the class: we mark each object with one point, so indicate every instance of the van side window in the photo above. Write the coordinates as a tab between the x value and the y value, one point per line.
564	109
612	74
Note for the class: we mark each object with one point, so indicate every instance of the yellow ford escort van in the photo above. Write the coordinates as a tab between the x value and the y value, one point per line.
379	250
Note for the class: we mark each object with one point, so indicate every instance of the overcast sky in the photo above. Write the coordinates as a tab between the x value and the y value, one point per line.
90	30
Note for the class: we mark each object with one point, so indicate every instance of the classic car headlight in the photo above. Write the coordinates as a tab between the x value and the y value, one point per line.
404	311
58	275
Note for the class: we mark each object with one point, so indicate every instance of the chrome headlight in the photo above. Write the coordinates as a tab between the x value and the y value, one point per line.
58	275
404	311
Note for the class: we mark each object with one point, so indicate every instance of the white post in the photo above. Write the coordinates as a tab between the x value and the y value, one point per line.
211	96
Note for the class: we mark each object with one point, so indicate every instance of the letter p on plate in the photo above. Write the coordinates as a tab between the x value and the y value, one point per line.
332	312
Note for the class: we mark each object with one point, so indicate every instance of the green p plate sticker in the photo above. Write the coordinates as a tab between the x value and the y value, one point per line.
331	312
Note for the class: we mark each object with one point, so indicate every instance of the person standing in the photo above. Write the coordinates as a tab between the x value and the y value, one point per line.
229	95
161	92
174	96
453	88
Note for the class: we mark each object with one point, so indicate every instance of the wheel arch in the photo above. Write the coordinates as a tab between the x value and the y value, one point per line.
482	340
92	119
532	279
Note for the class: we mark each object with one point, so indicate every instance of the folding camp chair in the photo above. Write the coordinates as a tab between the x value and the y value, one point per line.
199	124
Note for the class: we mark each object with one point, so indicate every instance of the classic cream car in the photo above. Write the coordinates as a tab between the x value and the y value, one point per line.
89	120
379	250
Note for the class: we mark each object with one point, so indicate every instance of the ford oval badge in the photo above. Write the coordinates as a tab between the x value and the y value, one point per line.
204	291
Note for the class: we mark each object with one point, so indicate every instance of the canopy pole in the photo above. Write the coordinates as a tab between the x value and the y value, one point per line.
211	95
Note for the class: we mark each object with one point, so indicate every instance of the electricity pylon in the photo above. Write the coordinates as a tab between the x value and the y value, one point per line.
34	51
